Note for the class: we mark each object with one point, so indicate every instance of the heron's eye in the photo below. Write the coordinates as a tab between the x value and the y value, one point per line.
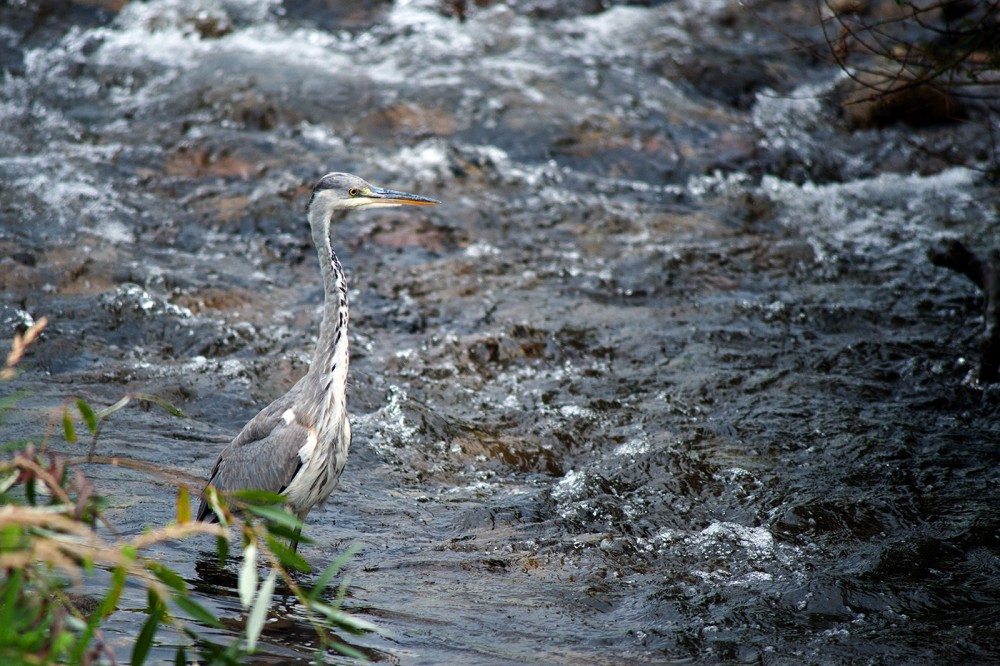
353	192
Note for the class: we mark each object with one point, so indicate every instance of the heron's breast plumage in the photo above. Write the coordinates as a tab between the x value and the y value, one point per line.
321	462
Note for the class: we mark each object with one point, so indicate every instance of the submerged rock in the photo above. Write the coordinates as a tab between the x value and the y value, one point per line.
880	98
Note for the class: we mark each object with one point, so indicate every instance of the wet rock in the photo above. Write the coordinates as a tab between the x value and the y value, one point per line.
211	24
215	298
880	98
414	232
32	23
542	9
789	165
625	148
410	122
190	161
222	207
785	257
19	276
494	350
837	7
526	454
752	208
24	258
255	111
110	5
132	300
459	8
732	80
206	20
271	377
14	321
353	15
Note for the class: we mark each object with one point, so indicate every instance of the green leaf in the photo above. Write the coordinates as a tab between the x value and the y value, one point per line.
180	659
62	642
145	639
278	516
156	400
255	623
198	612
7	483
11	538
213	653
89	418
69	432
183	505
222	548
167	576
286	556
332	570
349	651
16	445
12	591
252	496
247	581
290	534
111	409
342	619
110	601
215	502
76	624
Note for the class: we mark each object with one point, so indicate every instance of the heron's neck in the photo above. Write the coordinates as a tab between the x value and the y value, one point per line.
330	360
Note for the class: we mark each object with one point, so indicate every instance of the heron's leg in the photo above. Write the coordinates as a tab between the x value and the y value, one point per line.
295	539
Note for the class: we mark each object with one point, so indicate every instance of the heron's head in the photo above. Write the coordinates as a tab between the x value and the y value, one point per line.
342	191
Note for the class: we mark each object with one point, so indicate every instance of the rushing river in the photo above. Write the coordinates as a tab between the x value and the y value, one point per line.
668	377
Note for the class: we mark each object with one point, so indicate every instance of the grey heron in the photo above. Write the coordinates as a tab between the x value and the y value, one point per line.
297	446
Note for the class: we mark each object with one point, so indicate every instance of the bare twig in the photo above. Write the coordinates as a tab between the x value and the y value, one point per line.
18	345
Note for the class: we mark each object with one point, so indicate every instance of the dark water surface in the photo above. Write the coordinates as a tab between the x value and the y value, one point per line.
667	378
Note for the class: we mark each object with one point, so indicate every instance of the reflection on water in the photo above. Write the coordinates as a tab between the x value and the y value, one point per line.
663	378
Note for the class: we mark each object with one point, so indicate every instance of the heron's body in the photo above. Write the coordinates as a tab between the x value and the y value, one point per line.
298	445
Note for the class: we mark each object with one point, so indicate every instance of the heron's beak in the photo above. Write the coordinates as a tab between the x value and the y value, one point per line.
379	196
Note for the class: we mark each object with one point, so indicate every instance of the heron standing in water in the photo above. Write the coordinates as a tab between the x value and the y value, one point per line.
298	445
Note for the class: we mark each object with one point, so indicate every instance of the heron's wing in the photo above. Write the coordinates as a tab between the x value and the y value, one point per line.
264	456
